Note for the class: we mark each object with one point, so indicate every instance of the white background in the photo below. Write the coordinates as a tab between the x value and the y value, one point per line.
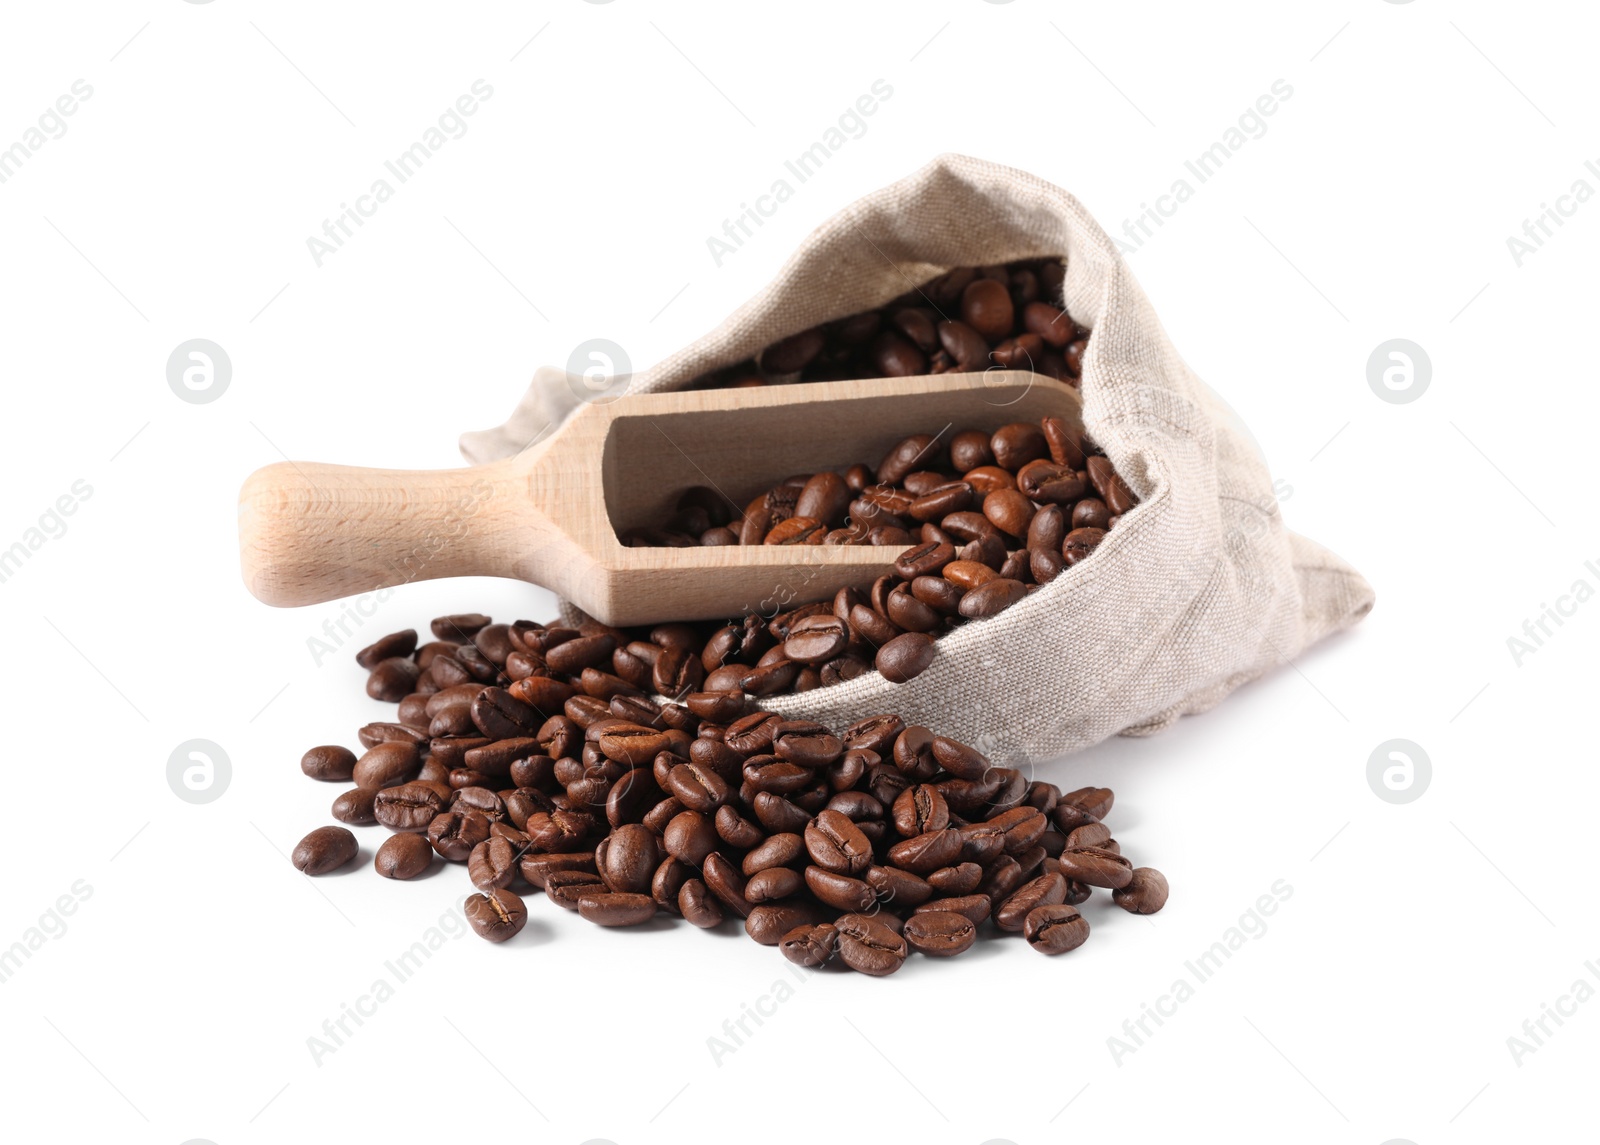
1377	1005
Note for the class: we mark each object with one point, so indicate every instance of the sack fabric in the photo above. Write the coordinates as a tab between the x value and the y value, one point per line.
1199	589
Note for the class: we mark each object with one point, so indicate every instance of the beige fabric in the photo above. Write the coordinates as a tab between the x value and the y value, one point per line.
1196	591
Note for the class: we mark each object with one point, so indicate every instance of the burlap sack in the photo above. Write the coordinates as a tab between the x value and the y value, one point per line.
1198	589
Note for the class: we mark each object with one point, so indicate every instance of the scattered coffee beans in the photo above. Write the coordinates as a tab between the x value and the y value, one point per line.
853	847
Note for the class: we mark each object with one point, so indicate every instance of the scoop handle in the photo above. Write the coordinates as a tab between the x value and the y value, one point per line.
310	533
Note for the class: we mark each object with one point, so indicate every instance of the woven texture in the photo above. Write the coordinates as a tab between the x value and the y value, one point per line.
1198	589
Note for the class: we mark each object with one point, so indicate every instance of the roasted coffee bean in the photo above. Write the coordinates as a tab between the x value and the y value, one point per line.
393	679
919	809
837	844
1096	867
723	879
1089	835
943	596
810	944
898	889
455	833
905	657
386	764
906	456
817	639
772	884
841	892
974	907
869	946
961	879
1045	890
1017	444
393	645
356	806
330	763
492	864
940	933
627	858
928	852
1079	543
969	450
697	905
768	923
496	915
403	857
460	628
782	850
1145	893
926	559
1094	802
1112	488
566	887
382	732
992	598
986	307
1055	929
610	908
323	850
691	837
409	807
500	715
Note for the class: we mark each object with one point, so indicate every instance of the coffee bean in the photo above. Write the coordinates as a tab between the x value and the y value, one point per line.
386	764
325	849
1079	543
842	892
992	598
837	844
810	944
976	908
1046	890
566	887
409	807
1055	929
460	628
928	852
905	657
356	806
496	915
491	865
867	945
698	905
393	679
817	639
1112	488
969	450
1145	893
396	644
986	307
608	908
403	857
1096	867
329	763
455	833
961	879
919	809
940	933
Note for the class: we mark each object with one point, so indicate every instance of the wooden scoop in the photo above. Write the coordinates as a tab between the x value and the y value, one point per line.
310	533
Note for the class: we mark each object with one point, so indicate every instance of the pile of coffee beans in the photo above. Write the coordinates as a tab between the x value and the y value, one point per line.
966	320
853	848
995	515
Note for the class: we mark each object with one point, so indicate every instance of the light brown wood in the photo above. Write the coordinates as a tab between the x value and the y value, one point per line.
310	533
